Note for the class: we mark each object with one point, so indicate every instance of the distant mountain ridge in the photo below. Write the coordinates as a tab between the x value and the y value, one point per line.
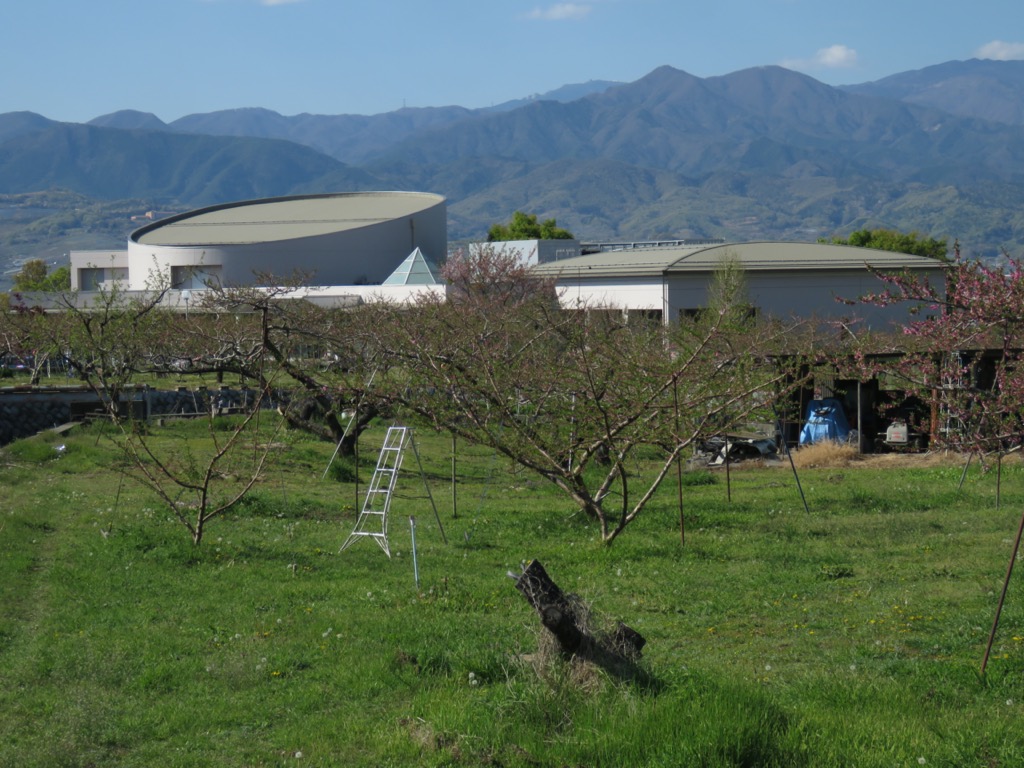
763	153
349	138
981	88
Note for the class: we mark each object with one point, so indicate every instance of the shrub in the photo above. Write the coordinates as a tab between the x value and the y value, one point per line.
825	454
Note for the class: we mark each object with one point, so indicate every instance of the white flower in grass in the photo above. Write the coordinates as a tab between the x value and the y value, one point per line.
472	679
921	761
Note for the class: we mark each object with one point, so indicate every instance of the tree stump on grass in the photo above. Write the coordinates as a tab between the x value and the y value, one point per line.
566	618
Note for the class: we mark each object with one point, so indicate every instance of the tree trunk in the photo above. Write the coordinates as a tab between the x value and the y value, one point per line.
616	653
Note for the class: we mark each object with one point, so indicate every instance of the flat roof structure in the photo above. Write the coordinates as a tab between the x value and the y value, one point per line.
289	218
348	238
755	256
783	280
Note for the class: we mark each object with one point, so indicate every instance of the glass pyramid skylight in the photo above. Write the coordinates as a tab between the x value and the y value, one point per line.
415	270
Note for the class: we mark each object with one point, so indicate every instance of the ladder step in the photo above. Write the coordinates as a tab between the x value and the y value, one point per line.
379	492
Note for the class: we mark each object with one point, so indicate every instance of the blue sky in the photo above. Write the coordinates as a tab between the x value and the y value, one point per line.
77	59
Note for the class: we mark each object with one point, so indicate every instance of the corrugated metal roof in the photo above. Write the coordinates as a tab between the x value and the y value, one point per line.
646	261
751	256
283	218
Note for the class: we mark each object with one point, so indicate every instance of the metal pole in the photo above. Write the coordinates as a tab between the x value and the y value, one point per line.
415	566
355	455
344	434
860	428
679	467
455	500
728	476
964	473
426	485
999	478
1002	596
789	453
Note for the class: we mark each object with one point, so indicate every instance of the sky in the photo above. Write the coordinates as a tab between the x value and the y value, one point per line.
74	60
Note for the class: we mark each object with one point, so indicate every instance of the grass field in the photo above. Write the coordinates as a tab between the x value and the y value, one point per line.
850	635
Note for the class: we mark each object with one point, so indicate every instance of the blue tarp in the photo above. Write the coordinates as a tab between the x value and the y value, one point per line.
825	421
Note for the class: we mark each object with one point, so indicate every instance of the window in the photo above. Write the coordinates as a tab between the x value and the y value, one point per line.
90	278
644	317
196	276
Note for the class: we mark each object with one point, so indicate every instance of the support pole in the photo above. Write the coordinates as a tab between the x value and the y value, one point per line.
999	478
415	565
860	427
1002	595
355	461
679	467
415	450
728	474
792	465
964	473
455	499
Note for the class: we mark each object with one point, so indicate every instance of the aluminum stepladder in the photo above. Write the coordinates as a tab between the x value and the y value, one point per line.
373	520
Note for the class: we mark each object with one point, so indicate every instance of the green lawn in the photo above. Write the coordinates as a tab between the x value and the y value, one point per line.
849	635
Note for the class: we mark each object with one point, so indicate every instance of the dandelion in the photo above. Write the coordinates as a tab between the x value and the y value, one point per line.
327	632
1009	702
767	667
472	679
921	761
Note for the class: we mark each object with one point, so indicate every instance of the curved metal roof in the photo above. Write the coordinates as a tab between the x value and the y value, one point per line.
751	257
283	218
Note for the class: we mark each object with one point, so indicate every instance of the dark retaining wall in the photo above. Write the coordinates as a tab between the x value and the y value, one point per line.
26	411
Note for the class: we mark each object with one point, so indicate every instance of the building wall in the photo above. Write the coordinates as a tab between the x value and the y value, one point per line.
644	293
366	255
798	293
96	270
779	294
531	252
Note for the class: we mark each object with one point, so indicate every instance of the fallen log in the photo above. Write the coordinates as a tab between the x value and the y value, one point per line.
566	619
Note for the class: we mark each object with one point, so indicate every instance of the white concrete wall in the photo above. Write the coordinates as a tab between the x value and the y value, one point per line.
531	252
112	262
626	293
362	255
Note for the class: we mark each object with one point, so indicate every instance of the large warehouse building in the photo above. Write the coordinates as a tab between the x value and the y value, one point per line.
782	280
357	238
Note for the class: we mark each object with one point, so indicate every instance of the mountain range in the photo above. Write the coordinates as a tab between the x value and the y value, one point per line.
763	153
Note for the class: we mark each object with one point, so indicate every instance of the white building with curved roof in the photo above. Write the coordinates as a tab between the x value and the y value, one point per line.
782	280
356	238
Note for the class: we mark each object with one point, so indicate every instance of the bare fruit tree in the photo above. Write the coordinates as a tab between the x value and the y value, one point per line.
114	340
576	396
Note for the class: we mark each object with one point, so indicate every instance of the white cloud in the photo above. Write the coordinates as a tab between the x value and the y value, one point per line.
836	57
560	12
833	57
1001	51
